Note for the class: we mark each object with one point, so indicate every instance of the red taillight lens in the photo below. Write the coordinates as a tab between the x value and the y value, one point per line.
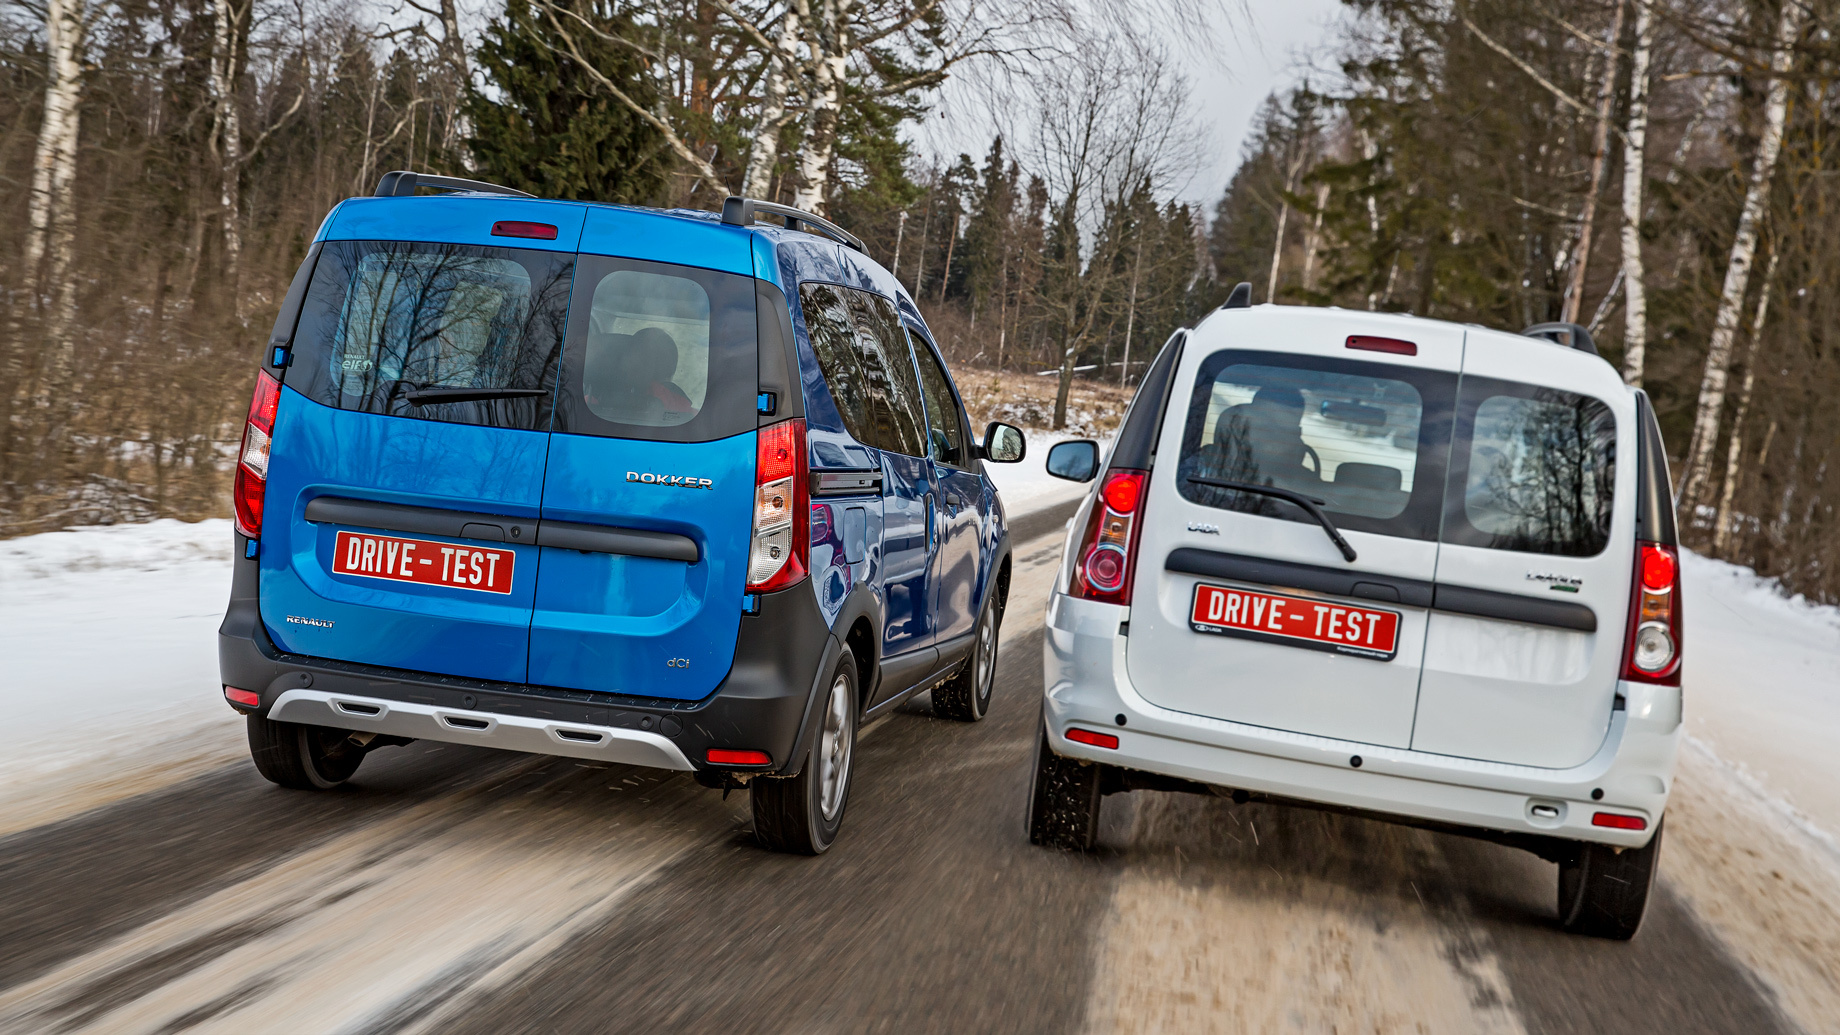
729	756
1108	551
252	463
1619	822
782	505
1651	651
247	698
1088	737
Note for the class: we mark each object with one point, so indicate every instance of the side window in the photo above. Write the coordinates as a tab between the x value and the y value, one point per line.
945	433
889	367
833	338
1533	470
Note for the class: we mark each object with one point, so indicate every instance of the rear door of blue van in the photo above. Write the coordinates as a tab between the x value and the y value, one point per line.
648	501
412	434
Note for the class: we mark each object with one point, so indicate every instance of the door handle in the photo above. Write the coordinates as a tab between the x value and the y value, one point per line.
932	522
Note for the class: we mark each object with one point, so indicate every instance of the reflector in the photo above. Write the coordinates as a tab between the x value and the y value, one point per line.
1098	740
1619	822
733	756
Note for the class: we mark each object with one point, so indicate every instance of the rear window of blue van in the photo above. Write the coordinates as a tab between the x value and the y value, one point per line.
444	332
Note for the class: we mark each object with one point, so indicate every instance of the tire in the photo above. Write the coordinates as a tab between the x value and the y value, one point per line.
1604	892
1064	801
304	758
801	814
966	696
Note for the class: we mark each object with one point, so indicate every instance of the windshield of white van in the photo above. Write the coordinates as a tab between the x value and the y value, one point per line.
442	332
1366	439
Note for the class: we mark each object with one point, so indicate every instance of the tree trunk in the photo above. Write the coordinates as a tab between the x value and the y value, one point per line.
453	52
1738	271
231	19
1315	239
1635	311
1600	155
51	219
1130	320
773	116
830	47
1721	527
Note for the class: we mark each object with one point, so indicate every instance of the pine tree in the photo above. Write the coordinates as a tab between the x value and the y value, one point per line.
551	130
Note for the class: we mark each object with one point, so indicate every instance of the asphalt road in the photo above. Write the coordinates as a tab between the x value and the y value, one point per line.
462	890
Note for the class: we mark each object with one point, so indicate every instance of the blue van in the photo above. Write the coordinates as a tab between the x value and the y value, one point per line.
674	489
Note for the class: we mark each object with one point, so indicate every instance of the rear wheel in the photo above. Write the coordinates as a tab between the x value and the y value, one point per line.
305	758
802	814
1604	892
1064	802
966	696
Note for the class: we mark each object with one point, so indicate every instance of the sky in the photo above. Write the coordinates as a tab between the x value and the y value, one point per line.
1263	47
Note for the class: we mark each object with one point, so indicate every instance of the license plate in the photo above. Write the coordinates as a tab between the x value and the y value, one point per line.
423	562
1363	632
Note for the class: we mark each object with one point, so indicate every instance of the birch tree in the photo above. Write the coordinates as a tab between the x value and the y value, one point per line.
51	218
230	30
1743	251
1600	155
1721	526
1635	141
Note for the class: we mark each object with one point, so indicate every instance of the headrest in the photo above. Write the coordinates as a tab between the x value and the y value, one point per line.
1368	476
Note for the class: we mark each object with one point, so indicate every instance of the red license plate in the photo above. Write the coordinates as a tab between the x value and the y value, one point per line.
422	562
1364	632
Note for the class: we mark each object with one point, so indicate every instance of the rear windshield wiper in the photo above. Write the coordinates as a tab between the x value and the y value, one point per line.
1309	503
424	396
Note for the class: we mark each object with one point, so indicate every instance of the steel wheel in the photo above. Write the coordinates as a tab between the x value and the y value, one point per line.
985	669
966	696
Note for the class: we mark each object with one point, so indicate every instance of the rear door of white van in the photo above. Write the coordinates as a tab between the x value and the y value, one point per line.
1534	570
1243	607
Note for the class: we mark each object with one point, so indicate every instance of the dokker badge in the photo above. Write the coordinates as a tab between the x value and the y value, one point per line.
682	481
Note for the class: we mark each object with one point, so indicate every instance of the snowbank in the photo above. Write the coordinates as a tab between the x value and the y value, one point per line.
1762	689
110	681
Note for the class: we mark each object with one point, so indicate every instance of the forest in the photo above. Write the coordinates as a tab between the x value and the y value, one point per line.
1657	170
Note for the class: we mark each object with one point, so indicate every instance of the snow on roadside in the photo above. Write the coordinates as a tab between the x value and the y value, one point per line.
1762	683
110	683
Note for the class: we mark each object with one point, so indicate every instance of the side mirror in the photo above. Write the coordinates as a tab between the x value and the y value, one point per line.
1076	461
1003	443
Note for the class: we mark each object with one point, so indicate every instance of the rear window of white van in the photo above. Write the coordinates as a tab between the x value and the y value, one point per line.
1533	470
1367	439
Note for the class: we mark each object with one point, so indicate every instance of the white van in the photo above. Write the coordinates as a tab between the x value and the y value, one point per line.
1377	564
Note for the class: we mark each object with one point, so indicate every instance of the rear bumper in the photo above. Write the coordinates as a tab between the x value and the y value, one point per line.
765	703
1087	685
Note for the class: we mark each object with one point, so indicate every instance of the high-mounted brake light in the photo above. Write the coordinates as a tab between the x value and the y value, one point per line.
1108	551
782	509
1369	343
252	464
1651	652
516	228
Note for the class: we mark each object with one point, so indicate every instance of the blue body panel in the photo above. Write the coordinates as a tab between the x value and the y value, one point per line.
322	451
639	234
455	219
640	625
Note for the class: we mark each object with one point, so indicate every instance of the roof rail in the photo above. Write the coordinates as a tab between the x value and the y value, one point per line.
738	211
1569	334
402	184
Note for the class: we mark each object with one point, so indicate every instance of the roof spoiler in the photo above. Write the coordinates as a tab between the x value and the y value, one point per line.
402	184
1568	334
737	211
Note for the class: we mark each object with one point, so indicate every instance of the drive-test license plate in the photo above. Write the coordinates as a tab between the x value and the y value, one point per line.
423	562
1364	632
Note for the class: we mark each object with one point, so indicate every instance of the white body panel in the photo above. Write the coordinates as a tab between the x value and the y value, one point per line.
1529	694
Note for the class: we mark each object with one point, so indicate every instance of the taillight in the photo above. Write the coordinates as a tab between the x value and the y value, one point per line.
252	463
1652	650
782	502
1108	551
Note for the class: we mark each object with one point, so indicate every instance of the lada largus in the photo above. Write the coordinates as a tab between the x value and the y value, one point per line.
1377	564
672	489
